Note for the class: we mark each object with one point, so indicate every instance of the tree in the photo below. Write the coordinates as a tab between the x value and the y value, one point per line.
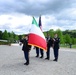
51	32
68	39
5	35
45	34
0	34
72	33
12	36
16	37
20	37
73	40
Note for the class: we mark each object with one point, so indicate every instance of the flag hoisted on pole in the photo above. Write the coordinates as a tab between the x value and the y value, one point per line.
40	23
36	36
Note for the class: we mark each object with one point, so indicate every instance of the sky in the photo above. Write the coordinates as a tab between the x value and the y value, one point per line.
16	15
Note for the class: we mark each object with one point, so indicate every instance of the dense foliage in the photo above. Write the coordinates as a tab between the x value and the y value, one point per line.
66	37
9	36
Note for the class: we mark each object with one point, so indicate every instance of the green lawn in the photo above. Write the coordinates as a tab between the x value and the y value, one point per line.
68	46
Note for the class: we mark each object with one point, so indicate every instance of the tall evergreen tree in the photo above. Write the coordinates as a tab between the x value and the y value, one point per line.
5	35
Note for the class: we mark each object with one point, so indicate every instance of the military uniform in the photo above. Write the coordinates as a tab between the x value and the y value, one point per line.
26	49
49	44
56	47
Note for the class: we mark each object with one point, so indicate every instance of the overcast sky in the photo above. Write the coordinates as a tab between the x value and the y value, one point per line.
16	15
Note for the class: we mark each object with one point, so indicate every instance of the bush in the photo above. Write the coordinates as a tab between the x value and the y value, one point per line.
4	43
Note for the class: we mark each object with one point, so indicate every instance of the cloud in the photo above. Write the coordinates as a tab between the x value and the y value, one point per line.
18	23
16	15
32	7
67	14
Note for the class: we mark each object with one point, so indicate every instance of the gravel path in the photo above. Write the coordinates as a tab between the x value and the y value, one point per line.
12	59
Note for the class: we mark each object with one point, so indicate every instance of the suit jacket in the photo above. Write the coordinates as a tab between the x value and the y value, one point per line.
56	43
25	47
49	42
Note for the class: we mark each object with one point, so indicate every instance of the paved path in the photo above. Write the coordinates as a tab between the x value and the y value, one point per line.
12	59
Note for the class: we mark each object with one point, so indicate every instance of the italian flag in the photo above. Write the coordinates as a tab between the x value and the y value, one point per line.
36	36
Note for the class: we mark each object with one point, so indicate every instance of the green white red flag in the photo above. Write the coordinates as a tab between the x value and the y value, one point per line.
36	36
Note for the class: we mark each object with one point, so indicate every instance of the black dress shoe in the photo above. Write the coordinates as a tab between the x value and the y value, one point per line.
37	56
41	57
55	60
26	63
46	58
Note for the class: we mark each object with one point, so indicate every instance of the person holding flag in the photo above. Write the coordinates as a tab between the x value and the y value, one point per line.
25	48
39	49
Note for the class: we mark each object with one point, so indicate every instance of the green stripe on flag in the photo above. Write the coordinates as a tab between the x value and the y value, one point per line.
35	22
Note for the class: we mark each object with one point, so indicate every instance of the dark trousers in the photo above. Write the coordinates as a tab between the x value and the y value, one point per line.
56	50
26	55
41	51
48	52
37	51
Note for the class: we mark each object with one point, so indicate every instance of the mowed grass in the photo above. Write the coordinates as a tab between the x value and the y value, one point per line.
67	46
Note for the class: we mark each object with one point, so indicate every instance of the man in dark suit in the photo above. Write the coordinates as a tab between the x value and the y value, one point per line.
26	49
49	44
56	42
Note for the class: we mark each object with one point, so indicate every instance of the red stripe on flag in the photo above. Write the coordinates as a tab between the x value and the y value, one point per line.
37	41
